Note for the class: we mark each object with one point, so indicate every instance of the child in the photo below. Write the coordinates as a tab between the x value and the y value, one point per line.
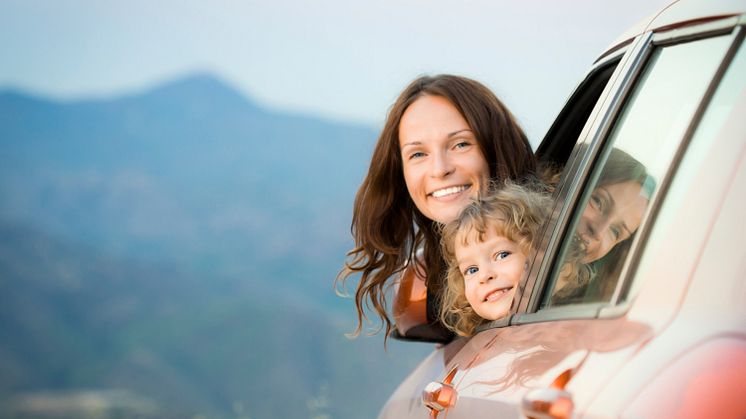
486	249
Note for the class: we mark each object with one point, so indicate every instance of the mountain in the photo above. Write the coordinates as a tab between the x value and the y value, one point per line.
171	253
191	172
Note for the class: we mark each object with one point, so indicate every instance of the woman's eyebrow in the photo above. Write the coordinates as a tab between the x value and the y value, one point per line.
624	226
411	143
449	136
454	133
609	198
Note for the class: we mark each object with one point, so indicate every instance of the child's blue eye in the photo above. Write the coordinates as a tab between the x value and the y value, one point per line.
471	270
502	255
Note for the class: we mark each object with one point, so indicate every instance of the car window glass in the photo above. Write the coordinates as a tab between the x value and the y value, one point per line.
627	172
719	110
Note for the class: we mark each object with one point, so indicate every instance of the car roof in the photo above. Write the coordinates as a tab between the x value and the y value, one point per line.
681	13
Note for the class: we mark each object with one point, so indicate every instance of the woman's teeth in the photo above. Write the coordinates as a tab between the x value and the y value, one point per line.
449	191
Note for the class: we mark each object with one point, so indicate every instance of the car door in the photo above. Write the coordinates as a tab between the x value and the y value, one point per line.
654	104
452	362
646	101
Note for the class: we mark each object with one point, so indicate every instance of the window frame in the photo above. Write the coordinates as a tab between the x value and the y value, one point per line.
572	184
734	27
579	168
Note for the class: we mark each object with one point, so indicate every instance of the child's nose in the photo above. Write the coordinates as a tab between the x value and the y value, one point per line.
488	275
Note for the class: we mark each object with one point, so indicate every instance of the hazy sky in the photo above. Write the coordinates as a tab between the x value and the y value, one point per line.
341	59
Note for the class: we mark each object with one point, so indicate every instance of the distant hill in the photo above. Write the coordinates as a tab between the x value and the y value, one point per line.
191	172
171	254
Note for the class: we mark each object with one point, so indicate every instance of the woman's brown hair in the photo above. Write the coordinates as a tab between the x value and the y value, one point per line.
387	227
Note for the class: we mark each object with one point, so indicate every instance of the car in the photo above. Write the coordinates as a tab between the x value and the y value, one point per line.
659	330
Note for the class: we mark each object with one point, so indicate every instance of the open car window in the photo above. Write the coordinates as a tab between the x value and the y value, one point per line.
554	151
613	177
581	265
627	172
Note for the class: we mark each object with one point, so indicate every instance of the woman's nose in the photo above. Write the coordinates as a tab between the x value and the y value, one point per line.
597	226
592	230
441	165
601	228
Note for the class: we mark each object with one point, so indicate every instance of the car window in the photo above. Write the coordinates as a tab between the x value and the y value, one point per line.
561	137
628	171
692	176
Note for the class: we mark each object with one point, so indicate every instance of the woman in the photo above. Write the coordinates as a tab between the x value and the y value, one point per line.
445	138
605	229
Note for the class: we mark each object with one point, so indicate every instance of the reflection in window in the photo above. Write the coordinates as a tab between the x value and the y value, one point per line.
610	218
641	146
721	109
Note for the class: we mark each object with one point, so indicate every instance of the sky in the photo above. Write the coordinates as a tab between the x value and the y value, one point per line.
344	60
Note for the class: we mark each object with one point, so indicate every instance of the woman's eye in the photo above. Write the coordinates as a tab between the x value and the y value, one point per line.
462	144
596	201
502	255
471	270
616	232
415	155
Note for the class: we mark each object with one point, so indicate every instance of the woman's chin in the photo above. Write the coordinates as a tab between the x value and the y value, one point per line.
590	257
444	211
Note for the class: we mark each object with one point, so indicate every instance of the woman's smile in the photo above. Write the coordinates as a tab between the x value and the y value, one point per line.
449	191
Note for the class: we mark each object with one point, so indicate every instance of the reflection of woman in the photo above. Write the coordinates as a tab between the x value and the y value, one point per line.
607	224
445	138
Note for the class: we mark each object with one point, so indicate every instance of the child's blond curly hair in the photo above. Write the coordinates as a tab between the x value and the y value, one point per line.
513	211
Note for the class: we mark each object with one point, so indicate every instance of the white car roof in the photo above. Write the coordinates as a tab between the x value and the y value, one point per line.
681	12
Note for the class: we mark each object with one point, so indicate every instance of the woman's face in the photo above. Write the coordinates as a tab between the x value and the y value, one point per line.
443	165
613	214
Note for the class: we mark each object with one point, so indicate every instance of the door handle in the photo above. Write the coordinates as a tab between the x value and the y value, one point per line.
440	395
553	402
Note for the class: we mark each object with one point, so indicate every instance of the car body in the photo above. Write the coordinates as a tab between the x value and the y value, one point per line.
669	337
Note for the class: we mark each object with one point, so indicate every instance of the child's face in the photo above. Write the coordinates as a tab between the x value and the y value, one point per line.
491	269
